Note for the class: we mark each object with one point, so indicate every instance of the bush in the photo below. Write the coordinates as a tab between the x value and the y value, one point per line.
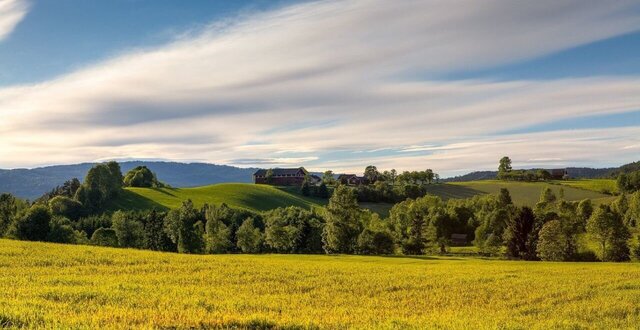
375	242
61	231
141	176
33	225
105	237
129	230
66	207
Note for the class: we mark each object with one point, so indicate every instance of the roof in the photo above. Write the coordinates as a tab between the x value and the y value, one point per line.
280	171
346	176
458	236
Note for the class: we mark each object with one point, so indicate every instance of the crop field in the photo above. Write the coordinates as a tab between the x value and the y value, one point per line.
605	186
63	286
522	193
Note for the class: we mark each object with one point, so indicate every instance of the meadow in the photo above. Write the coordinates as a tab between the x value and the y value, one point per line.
262	197
48	285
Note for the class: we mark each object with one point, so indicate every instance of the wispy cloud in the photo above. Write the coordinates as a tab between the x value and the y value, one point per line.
11	13
241	94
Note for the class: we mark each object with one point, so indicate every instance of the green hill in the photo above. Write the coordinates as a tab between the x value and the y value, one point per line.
240	195
262	197
522	193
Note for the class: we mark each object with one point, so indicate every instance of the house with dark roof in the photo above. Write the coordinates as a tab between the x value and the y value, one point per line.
559	174
352	179
280	176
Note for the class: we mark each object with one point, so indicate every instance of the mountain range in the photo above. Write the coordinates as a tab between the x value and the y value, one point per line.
32	183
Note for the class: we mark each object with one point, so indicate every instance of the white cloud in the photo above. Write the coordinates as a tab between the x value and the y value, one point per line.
11	13
311	81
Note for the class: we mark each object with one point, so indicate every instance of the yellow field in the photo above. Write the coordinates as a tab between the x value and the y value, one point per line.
64	286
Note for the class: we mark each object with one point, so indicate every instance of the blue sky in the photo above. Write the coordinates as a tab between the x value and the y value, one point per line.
322	84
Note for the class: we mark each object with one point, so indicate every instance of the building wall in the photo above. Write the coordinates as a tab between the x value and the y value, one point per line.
281	181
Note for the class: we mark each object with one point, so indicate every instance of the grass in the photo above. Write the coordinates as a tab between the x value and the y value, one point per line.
605	186
262	197
522	193
240	195
64	286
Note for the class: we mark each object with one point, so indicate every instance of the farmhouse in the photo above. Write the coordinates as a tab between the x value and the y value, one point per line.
559	174
280	176
352	179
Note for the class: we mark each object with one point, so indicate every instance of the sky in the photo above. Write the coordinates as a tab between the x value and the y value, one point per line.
447	85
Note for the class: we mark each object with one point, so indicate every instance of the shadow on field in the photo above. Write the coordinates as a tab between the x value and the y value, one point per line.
128	200
447	191
164	191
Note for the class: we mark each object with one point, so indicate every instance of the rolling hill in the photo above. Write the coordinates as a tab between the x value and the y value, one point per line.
32	183
239	195
262	197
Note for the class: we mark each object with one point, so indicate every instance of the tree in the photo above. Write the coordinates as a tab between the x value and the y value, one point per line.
519	235
375	242
61	231
268	177
105	237
504	168
343	225
584	211
66	207
155	237
323	191
305	189
371	173
552	242
547	196
504	198
249	238
141	176
102	183
180	226
217	237
129	230
632	218
327	178
393	176
293	230
8	208
610	233
33	225
429	175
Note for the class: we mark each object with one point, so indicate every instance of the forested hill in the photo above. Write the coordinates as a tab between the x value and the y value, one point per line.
32	183
574	172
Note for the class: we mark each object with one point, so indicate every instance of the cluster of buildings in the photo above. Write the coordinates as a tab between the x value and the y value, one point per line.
296	176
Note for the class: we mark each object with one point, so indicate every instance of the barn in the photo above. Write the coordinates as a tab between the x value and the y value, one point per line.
280	176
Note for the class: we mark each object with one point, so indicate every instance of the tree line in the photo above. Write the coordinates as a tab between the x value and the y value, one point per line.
555	229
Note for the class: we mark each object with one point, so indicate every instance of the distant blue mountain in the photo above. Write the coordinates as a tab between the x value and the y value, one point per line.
32	183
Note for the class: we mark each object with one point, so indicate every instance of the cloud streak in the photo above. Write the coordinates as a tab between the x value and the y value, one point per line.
311	83
11	13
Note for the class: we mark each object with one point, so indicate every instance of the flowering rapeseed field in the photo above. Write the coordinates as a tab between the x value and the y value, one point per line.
81	287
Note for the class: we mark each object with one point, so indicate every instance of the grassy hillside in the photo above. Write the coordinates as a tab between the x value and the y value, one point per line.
605	186
263	197
80	287
522	193
240	195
